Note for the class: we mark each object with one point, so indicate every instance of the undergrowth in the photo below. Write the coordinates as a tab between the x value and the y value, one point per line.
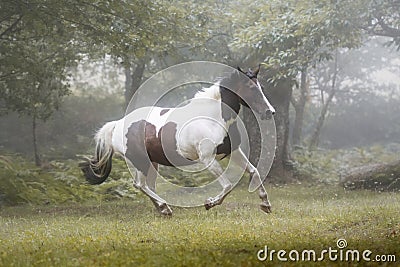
62	181
327	166
57	182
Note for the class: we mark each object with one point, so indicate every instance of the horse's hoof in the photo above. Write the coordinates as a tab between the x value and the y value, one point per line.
165	210
208	204
166	213
265	207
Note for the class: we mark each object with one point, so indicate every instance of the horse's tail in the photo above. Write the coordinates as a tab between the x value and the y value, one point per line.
96	170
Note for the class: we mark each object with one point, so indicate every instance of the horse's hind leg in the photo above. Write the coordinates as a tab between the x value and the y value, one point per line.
162	207
265	206
141	182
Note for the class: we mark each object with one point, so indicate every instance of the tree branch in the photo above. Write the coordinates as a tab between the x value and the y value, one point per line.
391	32
11	27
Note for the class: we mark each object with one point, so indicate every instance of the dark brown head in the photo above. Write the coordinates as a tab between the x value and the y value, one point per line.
249	90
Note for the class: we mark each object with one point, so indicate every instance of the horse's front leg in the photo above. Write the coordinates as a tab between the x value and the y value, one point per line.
240	158
215	168
265	206
205	152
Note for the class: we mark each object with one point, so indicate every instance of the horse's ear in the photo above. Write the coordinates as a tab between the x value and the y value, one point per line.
257	70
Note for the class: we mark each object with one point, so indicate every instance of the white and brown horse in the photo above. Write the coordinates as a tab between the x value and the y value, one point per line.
150	136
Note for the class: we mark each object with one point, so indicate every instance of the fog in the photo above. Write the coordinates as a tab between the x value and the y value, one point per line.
326	163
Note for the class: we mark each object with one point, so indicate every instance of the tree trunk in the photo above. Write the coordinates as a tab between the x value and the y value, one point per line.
133	80
128	85
299	107
280	98
380	177
314	141
35	149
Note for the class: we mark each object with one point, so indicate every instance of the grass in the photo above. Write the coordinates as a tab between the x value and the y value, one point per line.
130	233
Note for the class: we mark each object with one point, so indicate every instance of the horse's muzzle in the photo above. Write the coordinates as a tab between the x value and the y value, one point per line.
267	115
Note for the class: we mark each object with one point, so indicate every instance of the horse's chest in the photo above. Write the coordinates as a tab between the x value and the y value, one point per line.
230	142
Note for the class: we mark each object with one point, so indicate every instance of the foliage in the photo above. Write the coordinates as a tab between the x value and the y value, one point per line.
35	54
365	105
40	41
382	18
357	68
366	120
62	182
327	166
294	35
59	182
129	234
71	129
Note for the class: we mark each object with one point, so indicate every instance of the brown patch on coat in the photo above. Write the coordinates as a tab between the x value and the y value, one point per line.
163	111
144	147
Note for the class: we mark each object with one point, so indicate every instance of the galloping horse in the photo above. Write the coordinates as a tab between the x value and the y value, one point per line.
153	136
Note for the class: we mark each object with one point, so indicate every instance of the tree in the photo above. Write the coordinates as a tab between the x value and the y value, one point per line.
166	39
299	104
382	18
291	37
348	81
34	60
40	41
325	105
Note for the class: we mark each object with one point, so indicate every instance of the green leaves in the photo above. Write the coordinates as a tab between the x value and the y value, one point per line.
60	182
34	56
295	34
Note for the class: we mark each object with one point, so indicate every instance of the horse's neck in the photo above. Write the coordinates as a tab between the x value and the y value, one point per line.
229	101
230	105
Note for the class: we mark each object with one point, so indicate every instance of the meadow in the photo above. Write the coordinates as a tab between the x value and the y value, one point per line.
129	232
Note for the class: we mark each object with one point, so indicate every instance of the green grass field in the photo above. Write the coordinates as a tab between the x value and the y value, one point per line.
130	233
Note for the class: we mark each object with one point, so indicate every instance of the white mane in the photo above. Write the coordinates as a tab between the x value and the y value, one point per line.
210	92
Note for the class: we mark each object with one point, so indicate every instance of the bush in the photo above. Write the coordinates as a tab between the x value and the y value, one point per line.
328	166
58	182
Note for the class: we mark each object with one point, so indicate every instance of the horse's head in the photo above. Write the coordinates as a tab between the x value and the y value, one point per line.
251	94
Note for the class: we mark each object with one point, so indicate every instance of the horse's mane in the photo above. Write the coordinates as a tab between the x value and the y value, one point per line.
212	92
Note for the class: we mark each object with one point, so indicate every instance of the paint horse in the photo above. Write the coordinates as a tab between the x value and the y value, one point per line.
154	136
